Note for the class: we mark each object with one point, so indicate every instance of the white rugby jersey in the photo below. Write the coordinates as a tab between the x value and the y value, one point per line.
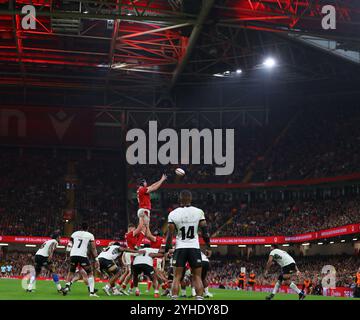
204	257
110	253
81	240
145	258
44	249
281	257
186	221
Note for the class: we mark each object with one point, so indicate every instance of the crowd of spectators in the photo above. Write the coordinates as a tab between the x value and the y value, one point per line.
225	271
292	217
313	143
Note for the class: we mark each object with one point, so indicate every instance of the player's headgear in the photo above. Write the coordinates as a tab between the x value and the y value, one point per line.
140	182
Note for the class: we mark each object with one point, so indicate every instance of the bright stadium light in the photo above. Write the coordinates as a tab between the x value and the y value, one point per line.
30	245
332	242
355	239
267	245
213	246
286	245
4	244
238	71
269	62
306	244
320	243
342	241
242	245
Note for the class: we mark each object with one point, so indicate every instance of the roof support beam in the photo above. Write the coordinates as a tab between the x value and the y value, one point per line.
206	7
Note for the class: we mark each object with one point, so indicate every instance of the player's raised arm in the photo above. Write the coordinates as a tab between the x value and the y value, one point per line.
157	184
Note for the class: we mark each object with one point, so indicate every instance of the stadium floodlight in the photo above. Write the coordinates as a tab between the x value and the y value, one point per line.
213	245
61	247
238	71
332	242
227	72
355	239
30	245
4	244
218	75
242	245
306	244
286	245
342	241
320	243
267	245
269	63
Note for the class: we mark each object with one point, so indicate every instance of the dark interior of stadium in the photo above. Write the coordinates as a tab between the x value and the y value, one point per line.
73	86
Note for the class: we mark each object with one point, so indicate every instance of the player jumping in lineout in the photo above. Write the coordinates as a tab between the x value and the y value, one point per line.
143	196
288	268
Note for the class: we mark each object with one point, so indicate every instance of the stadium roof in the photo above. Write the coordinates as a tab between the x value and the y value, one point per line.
132	46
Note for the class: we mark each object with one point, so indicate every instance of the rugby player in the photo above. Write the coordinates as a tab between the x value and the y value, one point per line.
43	259
185	222
288	269
82	240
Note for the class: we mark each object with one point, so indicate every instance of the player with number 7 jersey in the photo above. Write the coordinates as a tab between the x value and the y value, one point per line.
80	242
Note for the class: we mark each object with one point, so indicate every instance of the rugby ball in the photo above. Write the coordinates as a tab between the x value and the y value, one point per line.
180	172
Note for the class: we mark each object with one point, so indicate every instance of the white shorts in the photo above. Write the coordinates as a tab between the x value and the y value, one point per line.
127	258
144	213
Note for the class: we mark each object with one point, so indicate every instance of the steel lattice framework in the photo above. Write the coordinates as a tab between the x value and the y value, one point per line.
147	47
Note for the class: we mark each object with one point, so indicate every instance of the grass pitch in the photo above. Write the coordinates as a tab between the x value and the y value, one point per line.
11	289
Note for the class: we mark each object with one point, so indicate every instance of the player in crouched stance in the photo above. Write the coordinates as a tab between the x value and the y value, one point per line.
185	222
43	259
81	241
144	263
108	265
288	268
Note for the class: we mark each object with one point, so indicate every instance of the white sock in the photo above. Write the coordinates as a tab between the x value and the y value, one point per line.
193	291
206	290
276	288
31	283
58	286
294	287
137	289
91	284
183	292
156	291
